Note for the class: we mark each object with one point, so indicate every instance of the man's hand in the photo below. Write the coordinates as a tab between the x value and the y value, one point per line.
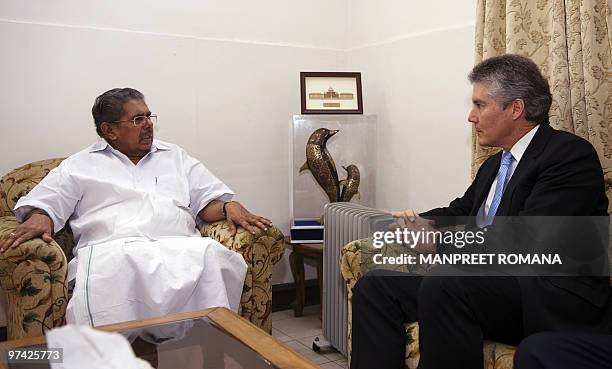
36	225
237	214
410	220
407	215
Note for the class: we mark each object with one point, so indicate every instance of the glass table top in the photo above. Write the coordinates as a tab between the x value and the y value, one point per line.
211	339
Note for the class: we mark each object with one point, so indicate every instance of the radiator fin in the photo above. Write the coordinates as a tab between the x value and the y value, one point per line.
344	222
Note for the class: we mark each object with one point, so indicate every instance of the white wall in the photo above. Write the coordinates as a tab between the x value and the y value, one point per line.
316	23
414	59
223	77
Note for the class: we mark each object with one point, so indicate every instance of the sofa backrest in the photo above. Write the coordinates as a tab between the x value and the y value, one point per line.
20	181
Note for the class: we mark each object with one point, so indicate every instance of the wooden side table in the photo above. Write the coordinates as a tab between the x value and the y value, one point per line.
301	251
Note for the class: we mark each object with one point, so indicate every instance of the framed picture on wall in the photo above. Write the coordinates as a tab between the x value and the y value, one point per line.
331	93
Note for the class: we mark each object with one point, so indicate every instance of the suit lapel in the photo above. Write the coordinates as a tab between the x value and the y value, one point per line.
489	172
524	167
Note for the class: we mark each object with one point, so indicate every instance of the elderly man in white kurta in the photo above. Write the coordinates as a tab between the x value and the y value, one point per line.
132	203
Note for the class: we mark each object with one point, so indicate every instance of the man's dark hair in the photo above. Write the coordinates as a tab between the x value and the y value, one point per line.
109	106
512	77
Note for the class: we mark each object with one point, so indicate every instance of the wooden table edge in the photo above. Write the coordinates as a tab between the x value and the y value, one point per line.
271	349
267	346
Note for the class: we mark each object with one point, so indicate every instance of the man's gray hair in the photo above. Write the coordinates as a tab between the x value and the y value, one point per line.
510	77
109	106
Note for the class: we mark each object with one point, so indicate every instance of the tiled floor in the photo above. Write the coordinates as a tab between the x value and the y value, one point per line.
298	333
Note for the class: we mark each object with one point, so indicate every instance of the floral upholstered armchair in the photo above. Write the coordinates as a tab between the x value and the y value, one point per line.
33	275
354	259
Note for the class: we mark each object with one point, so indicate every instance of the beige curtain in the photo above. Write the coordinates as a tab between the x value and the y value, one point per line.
571	43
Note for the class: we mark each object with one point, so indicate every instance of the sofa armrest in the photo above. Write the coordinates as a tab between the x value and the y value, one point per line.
350	264
260	252
270	242
33	276
356	258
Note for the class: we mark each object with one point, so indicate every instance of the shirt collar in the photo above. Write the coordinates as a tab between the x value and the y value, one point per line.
99	145
520	146
102	145
159	145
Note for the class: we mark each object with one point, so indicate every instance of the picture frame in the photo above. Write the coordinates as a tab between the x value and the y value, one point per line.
331	92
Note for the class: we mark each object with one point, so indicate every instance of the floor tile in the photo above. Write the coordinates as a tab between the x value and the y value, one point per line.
299	333
304	326
334	356
330	353
307	341
330	365
281	315
296	345
307	352
280	335
312	310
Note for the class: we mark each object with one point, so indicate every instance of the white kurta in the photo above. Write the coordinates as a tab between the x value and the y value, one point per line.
138	253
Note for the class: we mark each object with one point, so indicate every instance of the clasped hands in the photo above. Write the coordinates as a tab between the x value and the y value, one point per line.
411	221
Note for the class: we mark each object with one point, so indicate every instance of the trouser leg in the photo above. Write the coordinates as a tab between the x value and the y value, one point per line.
564	351
456	313
382	302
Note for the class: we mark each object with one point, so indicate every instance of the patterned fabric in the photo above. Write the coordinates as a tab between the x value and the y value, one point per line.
33	275
571	43
354	261
20	181
260	251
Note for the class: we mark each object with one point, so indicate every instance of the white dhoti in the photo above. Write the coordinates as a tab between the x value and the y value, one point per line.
132	279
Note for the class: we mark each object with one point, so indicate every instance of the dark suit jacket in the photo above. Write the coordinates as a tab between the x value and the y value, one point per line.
559	174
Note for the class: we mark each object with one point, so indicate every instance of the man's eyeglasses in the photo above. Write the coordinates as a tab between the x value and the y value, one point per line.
140	119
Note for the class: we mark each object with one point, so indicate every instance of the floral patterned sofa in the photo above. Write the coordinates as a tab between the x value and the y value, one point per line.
354	259
33	275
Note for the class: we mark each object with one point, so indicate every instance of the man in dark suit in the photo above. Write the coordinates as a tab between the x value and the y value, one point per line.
539	172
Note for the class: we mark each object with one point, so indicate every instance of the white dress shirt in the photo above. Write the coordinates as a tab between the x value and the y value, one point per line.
517	154
105	196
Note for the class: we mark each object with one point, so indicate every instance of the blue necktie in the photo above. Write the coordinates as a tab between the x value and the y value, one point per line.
501	181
